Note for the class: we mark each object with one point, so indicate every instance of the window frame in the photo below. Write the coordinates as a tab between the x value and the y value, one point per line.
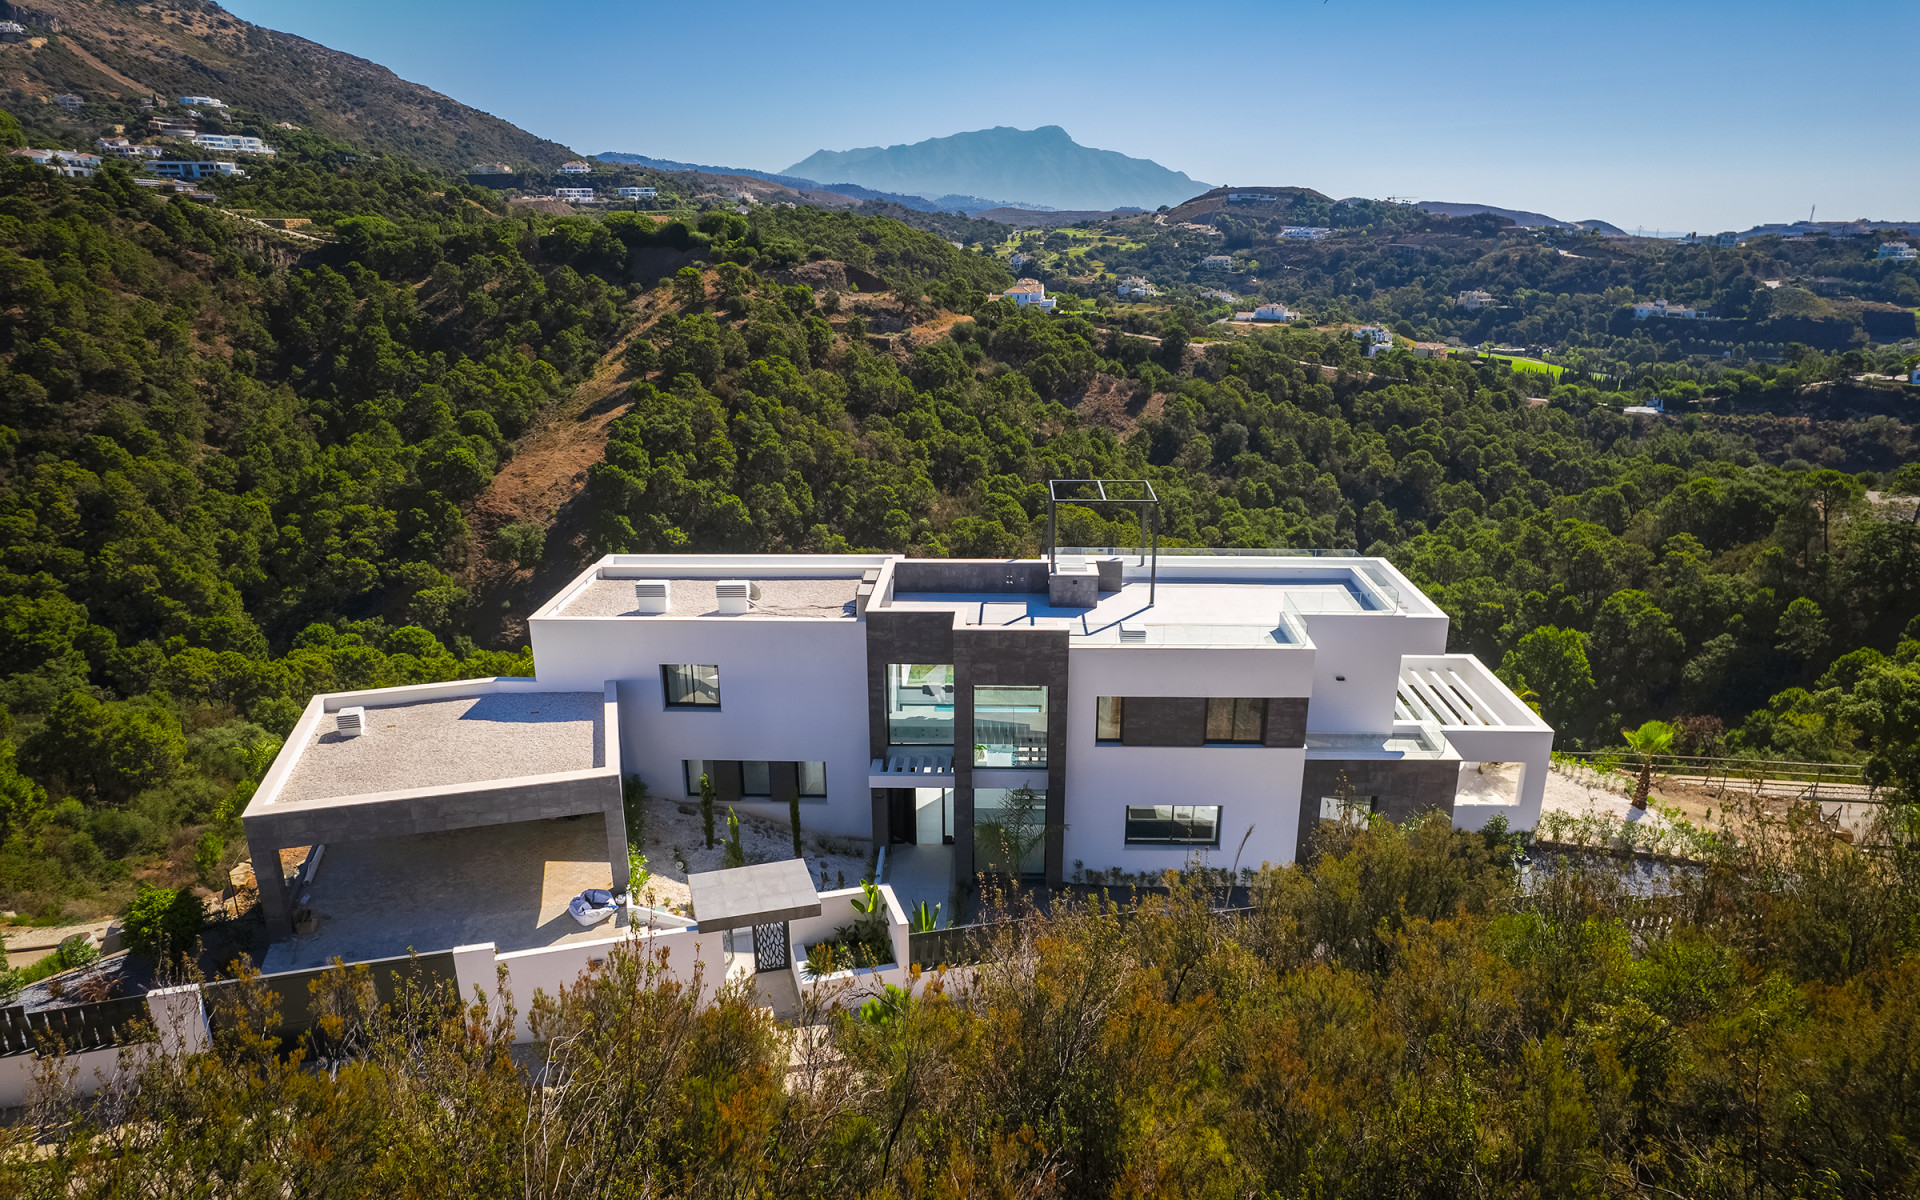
1043	709
747	791
1234	717
667	674
800	780
691	778
1172	819
1110	711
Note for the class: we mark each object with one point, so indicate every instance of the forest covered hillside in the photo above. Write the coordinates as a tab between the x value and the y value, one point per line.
244	465
114	52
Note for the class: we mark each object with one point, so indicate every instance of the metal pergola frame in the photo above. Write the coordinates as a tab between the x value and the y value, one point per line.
1146	502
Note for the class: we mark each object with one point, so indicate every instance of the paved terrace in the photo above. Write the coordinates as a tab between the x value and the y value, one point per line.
438	743
505	884
822	598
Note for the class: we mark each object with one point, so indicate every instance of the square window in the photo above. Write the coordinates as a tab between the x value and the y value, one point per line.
1240	722
1108	718
1010	726
756	779
920	704
691	685
1347	810
813	780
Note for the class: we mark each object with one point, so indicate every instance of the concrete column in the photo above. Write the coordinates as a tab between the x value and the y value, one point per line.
273	889
180	1016
616	818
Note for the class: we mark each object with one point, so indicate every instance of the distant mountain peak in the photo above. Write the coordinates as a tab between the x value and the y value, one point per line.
1043	166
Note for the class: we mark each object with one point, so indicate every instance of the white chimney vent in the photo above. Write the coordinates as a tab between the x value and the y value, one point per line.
652	596
350	722
735	595
1133	635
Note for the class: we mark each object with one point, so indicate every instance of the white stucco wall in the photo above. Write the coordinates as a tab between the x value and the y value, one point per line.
1367	649
1254	786
790	690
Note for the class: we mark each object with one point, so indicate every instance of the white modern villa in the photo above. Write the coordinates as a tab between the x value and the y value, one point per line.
1162	706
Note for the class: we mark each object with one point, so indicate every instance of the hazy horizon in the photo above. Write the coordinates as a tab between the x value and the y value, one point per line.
1701	116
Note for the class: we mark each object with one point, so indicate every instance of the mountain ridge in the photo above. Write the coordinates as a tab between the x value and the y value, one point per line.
1042	167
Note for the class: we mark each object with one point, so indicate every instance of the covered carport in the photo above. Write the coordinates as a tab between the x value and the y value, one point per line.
431	759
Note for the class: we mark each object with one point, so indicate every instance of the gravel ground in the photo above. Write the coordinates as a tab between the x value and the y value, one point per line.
672	829
471	740
1581	798
696	598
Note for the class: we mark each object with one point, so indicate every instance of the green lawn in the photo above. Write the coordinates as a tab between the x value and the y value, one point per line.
1531	365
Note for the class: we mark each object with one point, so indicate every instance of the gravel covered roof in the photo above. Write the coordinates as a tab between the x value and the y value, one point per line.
821	598
431	743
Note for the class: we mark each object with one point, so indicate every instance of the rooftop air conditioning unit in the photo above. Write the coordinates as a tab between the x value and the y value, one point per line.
1133	635
650	595
350	722
736	595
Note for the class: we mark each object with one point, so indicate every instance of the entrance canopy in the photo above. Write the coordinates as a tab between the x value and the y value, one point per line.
758	895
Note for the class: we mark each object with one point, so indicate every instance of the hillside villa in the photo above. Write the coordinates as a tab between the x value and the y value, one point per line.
1029	293
1643	309
1162	709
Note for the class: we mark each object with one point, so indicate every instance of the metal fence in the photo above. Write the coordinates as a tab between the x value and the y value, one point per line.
1773	776
94	1026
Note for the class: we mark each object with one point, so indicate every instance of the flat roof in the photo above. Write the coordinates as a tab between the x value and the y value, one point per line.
821	598
757	895
469	739
1190	606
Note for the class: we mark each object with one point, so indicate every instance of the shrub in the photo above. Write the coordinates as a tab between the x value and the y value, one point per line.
77	951
164	922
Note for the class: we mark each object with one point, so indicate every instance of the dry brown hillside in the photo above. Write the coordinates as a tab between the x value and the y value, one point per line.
103	49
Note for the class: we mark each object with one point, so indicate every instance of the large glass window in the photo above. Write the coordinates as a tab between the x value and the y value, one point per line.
756	779
1243	721
1173	824
813	780
920	704
1347	810
1010	726
1010	831
691	685
1107	719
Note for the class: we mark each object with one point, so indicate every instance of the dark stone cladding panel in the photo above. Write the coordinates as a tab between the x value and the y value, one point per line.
1287	721
986	655
968	575
1404	787
1163	721
900	637
785	778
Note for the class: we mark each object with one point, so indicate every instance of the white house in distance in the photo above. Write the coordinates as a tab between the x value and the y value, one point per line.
1029	293
636	193
231	143
1643	309
1473	299
576	167
1217	262
1899	251
1135	287
186	169
1309	233
1163	708
574	195
1378	338
74	164
1272	310
202	102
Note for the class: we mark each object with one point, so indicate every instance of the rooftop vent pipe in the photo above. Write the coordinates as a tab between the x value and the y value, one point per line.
350	722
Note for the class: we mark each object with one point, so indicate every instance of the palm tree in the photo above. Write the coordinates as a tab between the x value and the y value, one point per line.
1655	737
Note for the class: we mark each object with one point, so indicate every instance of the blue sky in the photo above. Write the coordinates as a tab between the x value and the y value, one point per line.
1677	116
